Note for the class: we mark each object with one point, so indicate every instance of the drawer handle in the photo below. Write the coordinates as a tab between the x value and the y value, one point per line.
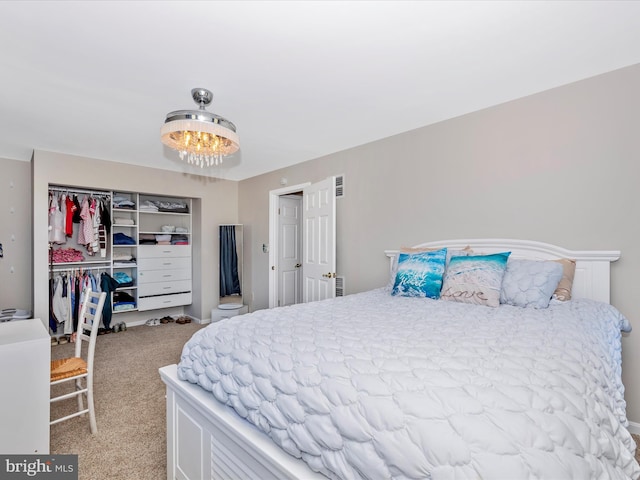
166	288
167	263
166	251
166	276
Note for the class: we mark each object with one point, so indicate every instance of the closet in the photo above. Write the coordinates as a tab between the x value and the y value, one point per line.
136	246
79	254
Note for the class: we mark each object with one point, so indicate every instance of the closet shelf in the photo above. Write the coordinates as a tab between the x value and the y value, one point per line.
80	264
166	233
184	214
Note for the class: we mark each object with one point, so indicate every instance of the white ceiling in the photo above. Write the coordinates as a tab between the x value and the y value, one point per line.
299	79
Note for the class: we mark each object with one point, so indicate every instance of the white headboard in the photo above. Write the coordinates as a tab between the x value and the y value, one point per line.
592	278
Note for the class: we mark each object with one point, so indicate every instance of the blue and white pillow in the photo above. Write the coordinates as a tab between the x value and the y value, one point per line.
451	252
475	279
530	283
420	274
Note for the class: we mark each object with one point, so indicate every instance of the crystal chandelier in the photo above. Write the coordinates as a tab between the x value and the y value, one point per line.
200	137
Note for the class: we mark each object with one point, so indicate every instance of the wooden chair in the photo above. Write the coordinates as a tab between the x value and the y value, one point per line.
79	368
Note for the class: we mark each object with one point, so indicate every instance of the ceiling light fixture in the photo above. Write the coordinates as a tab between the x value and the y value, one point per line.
200	137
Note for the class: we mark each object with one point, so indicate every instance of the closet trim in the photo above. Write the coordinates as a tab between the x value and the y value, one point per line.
61	189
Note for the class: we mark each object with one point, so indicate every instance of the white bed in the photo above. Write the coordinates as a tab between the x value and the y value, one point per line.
206	439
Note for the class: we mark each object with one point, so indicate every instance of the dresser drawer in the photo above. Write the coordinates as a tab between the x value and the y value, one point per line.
161	288
170	275
164	263
164	301
163	251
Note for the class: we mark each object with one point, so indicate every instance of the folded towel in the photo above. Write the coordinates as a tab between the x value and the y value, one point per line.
122	239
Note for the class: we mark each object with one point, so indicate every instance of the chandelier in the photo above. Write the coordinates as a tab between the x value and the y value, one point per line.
200	137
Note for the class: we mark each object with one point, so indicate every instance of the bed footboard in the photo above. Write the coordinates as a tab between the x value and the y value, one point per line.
206	440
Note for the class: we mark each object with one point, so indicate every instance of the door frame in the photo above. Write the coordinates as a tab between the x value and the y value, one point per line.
273	237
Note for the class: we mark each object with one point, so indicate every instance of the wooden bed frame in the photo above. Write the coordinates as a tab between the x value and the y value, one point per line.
208	440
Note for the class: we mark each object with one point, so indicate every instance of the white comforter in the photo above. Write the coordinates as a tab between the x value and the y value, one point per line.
375	386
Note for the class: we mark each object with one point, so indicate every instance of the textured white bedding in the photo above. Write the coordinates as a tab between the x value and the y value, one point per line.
375	386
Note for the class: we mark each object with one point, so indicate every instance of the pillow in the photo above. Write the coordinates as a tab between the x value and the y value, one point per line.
450	253
420	274
530	283
475	279
563	292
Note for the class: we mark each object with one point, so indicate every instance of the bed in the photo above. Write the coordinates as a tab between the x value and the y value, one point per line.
385	384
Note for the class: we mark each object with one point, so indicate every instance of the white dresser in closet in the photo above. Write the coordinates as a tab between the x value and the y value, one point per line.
164	276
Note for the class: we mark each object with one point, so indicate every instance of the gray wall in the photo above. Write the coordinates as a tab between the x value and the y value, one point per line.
15	234
561	167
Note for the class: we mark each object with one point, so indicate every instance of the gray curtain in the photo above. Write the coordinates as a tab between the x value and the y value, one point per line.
229	279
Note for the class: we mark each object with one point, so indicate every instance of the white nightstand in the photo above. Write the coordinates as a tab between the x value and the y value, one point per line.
227	311
25	356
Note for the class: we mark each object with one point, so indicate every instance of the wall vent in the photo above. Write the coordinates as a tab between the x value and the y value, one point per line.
339	286
339	186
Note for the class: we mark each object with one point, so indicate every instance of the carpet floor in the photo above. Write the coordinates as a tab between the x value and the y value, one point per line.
130	405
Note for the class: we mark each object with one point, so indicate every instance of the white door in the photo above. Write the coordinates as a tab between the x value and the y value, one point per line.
319	237
289	250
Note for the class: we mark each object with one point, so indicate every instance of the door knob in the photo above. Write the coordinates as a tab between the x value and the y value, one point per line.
327	275
298	265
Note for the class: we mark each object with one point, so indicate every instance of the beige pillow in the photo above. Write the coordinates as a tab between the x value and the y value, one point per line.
563	292
466	249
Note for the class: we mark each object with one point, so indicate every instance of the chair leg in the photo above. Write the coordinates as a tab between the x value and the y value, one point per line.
79	387
92	411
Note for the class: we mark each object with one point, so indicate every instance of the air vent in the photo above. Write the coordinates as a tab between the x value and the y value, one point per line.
339	286
340	186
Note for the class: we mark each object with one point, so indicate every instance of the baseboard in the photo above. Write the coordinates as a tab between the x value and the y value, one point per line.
634	428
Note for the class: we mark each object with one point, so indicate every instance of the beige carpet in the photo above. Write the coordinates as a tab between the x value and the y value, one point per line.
130	405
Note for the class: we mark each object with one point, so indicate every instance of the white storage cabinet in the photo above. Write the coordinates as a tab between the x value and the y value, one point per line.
164	276
25	356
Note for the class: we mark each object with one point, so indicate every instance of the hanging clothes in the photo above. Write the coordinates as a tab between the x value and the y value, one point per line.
85	233
104	228
108	284
53	321
76	301
76	212
66	296
56	221
229	278
94	247
105	215
60	304
71	210
80	220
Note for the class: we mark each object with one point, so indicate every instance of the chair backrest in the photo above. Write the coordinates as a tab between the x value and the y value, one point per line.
89	321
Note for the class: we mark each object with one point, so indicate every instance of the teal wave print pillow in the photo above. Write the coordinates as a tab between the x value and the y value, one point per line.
475	279
420	274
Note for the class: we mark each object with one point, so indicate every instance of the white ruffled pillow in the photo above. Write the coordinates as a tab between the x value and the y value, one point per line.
530	283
